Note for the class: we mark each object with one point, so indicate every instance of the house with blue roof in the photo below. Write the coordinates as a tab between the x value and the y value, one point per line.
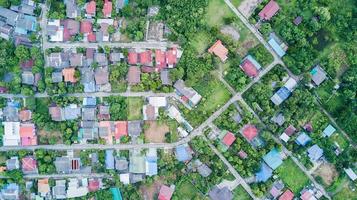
26	25
281	95
264	173
302	139
109	159
315	153
89	101
10	191
151	166
273	159
329	130
182	153
116	193
277	45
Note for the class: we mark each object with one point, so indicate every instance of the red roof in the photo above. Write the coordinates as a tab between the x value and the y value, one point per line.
228	139
3	89
27	64
287	195
308	127
107	8
93	185
74	164
269	10
68	74
219	50
25	115
250	132
249	68
29	164
160	59
132	58
145	57
171	56
290	130
27	130
242	154
91	37
90	9
147	69
86	27
165	193
306	195
121	129
66	35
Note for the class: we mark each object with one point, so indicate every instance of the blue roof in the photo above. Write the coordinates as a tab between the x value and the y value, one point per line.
329	130
109	159
276	47
151	168
283	93
89	87
255	62
89	101
273	159
182	154
264	173
116	194
303	139
315	152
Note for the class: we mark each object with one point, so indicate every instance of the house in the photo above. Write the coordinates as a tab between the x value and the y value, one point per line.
27	78
11	135
116	57
29	165
121	164
28	134
149	112
219	50
284	92
269	10
76	188
58	60
101	76
57	113
137	162
276	189
55	30
62	165
103	113
134	128
165	77
86	27
250	66
303	139
165	192
278	119
318	75
289	131
43	187
183	153
204	170
145	58
171	57
287	195
220	193
87	79
133	57
59	190
264	173
124	178
11	113
85	134
119	4
160	59
121	129
242	154
6	31
101	59
27	65
25	25
351	174
153	11
12	163
76	59
105	131
10	191
10	17
228	139
328	131
109	159
89	102
151	162
107	9
94	184
134	75
187	94
72	112
297	20
315	153
307	194
249	131
69	75
57	77
72	10
90	8
277	45
273	159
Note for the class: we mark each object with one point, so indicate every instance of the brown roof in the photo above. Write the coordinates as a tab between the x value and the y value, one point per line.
134	75
101	76
219	50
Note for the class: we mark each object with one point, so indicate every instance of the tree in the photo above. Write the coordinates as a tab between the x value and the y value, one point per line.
111	29
22	53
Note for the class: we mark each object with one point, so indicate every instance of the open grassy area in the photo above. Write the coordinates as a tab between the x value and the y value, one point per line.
200	41
292	176
345	193
236	2
217	10
135	105
187	191
340	140
240	194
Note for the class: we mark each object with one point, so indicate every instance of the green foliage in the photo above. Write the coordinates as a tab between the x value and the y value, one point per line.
118	107
57	10
262	55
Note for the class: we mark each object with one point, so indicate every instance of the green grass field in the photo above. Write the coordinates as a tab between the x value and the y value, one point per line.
240	194
201	41
340	140
217	10
135	105
345	193
292	176
186	191
236	3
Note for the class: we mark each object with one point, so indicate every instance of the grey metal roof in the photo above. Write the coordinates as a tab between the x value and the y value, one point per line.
220	194
10	16
62	165
89	114
57	77
134	128
165	77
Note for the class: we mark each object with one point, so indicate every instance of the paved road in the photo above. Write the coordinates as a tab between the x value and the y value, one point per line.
63	176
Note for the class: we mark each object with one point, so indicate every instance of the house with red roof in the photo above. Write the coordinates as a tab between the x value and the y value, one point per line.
171	57
28	134
145	58
165	193
25	115
107	9
269	10
93	185
132	58
121	129
29	165
219	50
249	131
160	59
91	37
250	66
287	195
228	139
90	9
68	74
86	27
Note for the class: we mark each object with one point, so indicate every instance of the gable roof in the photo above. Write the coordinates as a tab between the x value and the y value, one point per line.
160	59
107	8
220	193
287	195
101	75
132	58
329	130
264	173
86	26
134	75
121	129
269	10
276	47
303	139
249	132
165	77
318	75
315	152
134	128
290	130
273	159
90	8
145	57
281	95
182	153
68	74
219	50
165	193
228	139
29	164
171	56
109	159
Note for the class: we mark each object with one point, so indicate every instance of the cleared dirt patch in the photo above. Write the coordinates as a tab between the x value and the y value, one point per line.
231	31
155	132
53	137
149	192
247	7
327	172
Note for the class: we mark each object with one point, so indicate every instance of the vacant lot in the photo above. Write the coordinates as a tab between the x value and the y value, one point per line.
156	132
201	41
345	193
187	191
327	172
292	176
52	137
150	191
240	194
135	105
217	10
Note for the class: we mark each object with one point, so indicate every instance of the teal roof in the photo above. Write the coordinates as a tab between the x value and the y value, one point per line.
329	130
276	47
273	159
116	194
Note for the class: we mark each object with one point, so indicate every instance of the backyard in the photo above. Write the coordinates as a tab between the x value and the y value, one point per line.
240	194
185	190
135	105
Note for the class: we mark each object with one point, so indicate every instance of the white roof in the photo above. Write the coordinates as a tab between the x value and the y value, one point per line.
195	99
183	132
157	101
174	113
290	84
350	173
106	21
75	191
276	99
284	137
11	133
125	178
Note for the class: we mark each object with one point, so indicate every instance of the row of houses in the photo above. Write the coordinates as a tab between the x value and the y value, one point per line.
163	59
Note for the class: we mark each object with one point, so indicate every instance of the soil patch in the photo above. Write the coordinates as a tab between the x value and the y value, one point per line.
149	192
247	7
327	172
44	137
231	31
155	133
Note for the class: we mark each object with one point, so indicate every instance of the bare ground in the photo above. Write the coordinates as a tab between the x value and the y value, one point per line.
327	172
156	132
46	135
149	192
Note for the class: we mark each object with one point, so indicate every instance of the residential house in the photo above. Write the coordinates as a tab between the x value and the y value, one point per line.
11	135
134	128
121	164
11	113
289	131
297	20
153	11
145	58
160	59
90	8
171	57
43	187
94	184
308	127
137	162
277	45
72	10
121	129
303	139
228	139
219	50
29	165
101	59
27	65
10	17
72	112
174	113
315	153
279	119
250	66
57	77
273	159
287	195
284	92
106	131
70	28
269	10
102	34
165	77
59	190
165	192
26	7
5	31
151	168
12	163
87	79
119	4
125	178
76	59
276	189
351	174
134	75
89	114
109	159
242	154
58	60
103	113
183	153
155	31
107	9
89	102
27	78
101	77
250	132
133	57
151	111
25	25
187	94
220	193
88	133
76	188
318	75
116	57
55	30
328	131
264	173
28	134
62	165
57	113
10	191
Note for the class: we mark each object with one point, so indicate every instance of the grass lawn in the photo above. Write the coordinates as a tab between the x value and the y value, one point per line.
334	104
187	191
217	10
236	2
292	176
135	105
340	140
324	91
345	193
240	194
201	41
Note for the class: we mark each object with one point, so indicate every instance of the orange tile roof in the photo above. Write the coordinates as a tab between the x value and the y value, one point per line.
219	50
68	74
